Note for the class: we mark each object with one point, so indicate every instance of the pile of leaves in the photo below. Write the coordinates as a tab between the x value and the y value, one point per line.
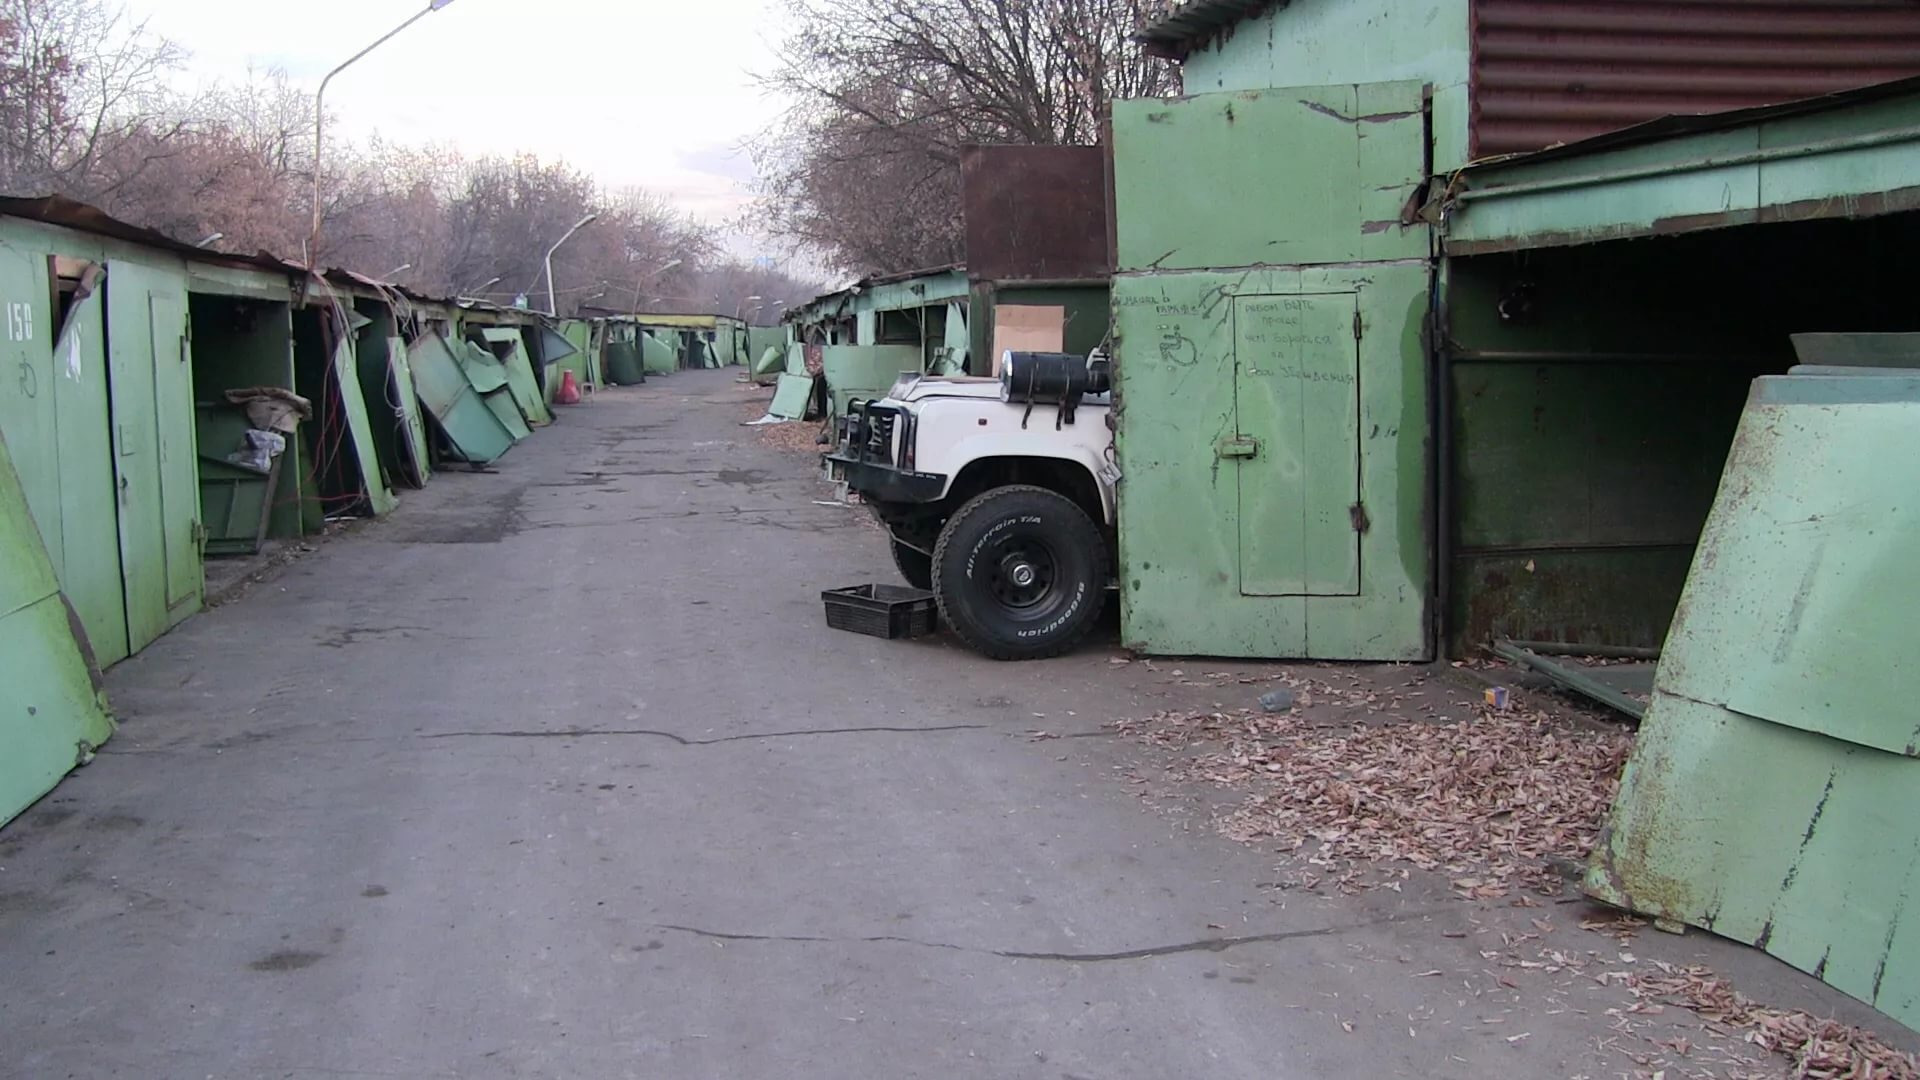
1503	800
1820	1049
793	437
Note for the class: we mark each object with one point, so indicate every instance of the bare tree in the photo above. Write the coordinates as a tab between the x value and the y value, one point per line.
86	111
81	83
864	166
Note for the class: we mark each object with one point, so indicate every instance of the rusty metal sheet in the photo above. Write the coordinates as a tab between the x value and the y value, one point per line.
1035	212
1548	72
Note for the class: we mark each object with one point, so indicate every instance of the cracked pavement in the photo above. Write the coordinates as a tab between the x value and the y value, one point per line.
557	772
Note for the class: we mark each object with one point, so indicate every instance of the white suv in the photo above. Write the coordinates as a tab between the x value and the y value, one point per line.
998	493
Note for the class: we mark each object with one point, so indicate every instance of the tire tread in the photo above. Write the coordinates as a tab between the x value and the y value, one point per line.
992	651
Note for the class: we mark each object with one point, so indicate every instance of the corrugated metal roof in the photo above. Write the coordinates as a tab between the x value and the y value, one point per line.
1178	27
1548	72
1689	124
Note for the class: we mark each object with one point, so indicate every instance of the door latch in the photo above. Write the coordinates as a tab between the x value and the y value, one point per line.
1240	446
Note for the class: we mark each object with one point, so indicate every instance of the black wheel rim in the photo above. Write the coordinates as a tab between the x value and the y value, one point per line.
1021	573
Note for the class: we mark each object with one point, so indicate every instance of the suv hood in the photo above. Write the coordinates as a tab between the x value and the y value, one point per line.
933	386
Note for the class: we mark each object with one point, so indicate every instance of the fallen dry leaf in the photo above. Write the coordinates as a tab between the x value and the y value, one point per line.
1497	796
1820	1049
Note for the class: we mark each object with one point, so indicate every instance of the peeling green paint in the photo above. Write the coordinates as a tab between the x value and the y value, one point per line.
1774	792
53	714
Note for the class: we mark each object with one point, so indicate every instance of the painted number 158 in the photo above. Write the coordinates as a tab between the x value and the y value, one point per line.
19	322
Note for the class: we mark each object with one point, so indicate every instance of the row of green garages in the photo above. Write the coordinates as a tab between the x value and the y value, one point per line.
121	356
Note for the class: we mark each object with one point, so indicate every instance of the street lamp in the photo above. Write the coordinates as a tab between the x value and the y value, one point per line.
475	291
396	271
320	118
742	306
211	239
552	307
644	278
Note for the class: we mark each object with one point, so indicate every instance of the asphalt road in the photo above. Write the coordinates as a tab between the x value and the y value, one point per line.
557	773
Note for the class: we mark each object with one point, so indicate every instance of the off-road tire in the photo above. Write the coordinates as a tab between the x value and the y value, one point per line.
916	567
978	563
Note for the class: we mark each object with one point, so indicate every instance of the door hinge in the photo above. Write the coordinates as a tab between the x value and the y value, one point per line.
1240	446
1356	326
200	534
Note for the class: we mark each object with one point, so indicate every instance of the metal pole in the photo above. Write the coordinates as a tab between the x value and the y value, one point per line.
552	307
320	120
644	278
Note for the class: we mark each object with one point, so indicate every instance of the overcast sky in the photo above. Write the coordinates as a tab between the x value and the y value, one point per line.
637	92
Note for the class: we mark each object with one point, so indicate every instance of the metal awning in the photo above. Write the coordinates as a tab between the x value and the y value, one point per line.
1848	155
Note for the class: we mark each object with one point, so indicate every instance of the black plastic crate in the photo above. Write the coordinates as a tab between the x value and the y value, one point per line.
883	611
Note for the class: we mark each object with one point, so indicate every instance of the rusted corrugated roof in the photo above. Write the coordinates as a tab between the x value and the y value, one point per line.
1689	124
1175	28
1548	72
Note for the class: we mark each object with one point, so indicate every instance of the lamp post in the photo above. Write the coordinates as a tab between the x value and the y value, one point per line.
211	239
644	278
320	119
396	271
475	291
742	306
552	306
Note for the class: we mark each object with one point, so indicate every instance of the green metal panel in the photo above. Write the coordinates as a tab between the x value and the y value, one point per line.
1774	793
399	434
413	429
53	411
511	349
1350	41
865	371
559	352
89	558
380	498
1183	497
762	338
1817	542
1297	398
53	714
1299	175
1834	163
179	456
790	398
505	410
143	547
456	408
958	341
579	337
657	354
29	386
623	363
484	371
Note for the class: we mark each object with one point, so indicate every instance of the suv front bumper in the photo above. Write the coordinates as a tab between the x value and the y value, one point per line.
877	482
875	456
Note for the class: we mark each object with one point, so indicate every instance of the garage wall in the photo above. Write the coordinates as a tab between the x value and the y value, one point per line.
1589	425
